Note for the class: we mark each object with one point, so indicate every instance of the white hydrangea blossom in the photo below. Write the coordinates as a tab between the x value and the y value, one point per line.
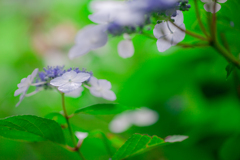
209	6
140	117
24	85
89	38
101	88
167	34
70	81
125	47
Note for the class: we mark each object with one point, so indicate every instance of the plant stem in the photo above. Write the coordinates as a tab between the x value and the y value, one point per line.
199	18
70	128
230	58
214	22
190	33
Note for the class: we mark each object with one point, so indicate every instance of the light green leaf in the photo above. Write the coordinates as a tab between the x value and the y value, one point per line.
138	143
104	109
31	128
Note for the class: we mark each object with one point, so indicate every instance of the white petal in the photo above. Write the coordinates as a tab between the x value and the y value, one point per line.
78	50
120	123
126	49
206	0
69	87
59	81
93	81
94	91
34	73
81	77
21	98
69	75
161	30
164	44
104	84
178	20
100	17
76	93
175	138
23	83
179	35
81	135
144	117
20	90
209	7
109	95
221	1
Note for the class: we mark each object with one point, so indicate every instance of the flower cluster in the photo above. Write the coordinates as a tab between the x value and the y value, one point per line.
69	81
123	18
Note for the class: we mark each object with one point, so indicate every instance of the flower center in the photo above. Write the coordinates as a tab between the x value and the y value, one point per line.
69	80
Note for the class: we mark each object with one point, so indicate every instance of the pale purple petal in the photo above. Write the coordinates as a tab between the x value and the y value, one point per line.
95	92
164	44
76	93
144	117
210	5
81	77
59	81
93	81
78	50
126	49
69	87
69	75
104	84
179	35
161	30
109	95
20	90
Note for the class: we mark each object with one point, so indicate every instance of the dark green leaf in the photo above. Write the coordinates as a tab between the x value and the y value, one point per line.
104	109
229	69
31	128
138	143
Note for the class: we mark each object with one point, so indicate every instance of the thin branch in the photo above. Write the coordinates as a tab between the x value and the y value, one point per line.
199	18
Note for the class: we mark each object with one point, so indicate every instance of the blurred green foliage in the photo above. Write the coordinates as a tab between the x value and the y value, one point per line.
186	86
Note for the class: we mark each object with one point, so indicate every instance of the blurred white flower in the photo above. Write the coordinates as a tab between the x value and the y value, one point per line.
89	38
76	93
167	34
101	88
81	135
140	117
125	47
24	85
209	6
70	81
118	11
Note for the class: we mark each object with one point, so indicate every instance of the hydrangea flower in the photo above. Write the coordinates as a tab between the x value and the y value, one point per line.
167	34
125	47
209	6
81	135
101	88
89	38
24	85
70	81
140	117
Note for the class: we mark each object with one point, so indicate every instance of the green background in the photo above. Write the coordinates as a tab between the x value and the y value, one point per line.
186	86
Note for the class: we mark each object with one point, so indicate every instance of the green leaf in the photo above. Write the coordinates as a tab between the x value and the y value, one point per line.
138	143
229	69
56	117
31	128
104	109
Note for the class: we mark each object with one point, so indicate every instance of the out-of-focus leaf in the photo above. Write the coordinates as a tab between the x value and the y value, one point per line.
56	117
229	69
31	128
104	109
138	143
